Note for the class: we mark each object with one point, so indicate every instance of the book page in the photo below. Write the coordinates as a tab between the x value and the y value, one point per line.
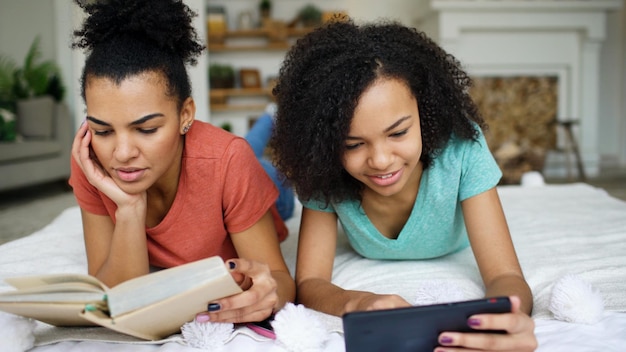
30	282
154	287
53	297
161	319
61	287
57	314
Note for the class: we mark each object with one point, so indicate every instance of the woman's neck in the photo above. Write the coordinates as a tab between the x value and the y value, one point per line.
162	194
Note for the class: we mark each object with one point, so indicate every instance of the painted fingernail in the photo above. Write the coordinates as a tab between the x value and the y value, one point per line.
232	265
202	318
213	307
474	322
445	340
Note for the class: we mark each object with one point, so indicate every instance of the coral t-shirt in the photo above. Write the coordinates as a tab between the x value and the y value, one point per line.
222	189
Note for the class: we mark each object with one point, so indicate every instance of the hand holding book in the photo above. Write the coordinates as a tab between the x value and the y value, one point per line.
257	301
150	307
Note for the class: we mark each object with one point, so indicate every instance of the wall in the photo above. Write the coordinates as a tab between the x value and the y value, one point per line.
612	88
621	152
21	20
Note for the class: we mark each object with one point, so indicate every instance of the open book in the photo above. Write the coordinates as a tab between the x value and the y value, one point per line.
149	307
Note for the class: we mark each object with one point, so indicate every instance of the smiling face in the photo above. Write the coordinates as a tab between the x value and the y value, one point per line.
384	143
137	130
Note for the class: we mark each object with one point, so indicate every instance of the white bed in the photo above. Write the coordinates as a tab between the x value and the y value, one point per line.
558	230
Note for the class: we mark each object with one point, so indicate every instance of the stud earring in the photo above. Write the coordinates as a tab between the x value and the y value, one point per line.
186	128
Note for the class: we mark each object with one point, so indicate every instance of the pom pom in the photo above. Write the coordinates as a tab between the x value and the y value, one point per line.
574	300
438	291
16	333
532	179
207	336
298	330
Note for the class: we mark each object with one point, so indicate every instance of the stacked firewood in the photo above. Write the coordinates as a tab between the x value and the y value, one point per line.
520	112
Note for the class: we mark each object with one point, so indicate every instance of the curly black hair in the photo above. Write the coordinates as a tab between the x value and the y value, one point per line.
319	85
124	38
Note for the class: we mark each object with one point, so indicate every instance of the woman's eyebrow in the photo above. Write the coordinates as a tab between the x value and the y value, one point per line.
146	118
393	125
136	122
397	123
97	121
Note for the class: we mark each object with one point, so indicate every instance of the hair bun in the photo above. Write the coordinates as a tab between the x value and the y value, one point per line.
166	24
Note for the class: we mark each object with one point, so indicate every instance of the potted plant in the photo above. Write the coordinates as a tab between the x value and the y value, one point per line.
265	8
310	15
7	99
37	88
221	76
7	126
227	126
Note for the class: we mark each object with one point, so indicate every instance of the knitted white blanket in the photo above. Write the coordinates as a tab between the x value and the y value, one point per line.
557	230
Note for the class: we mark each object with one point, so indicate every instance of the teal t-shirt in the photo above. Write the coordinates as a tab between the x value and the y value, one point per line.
463	169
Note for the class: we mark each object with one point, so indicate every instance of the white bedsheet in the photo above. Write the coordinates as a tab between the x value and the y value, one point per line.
557	229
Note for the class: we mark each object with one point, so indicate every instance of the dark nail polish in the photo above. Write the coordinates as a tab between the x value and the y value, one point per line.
213	307
474	322
445	339
231	265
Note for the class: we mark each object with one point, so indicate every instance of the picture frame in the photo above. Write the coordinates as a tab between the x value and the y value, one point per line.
249	78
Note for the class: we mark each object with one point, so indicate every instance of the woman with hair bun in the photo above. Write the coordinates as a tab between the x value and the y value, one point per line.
156	188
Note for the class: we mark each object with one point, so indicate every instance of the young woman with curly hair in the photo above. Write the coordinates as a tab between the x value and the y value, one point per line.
155	188
375	128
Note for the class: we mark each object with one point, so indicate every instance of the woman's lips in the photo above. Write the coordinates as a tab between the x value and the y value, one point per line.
129	175
386	179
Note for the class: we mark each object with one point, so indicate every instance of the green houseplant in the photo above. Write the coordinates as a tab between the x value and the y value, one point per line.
7	125
7	99
227	126
35	78
37	87
221	76
265	8
7	74
310	15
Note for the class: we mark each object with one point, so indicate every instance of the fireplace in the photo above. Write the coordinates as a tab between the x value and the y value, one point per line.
550	45
521	112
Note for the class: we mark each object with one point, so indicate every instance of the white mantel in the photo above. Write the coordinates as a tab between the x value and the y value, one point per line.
559	38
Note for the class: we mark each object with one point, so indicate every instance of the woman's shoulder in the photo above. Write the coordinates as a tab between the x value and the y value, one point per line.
203	129
208	141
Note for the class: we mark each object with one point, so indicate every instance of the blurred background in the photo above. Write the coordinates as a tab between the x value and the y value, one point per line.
550	78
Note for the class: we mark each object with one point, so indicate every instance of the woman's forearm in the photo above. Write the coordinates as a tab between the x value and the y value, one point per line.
128	252
286	288
322	295
326	297
512	285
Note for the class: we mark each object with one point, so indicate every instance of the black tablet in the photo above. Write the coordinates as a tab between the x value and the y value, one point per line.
413	328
